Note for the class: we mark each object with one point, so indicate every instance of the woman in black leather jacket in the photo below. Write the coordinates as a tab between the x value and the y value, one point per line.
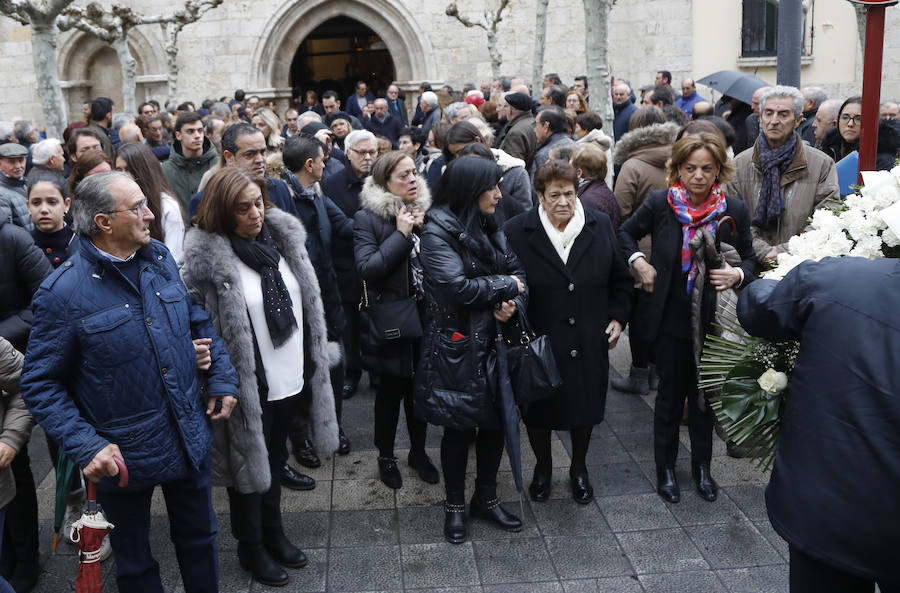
472	281
386	231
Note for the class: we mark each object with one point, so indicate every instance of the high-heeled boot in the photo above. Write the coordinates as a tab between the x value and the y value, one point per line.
486	505
455	526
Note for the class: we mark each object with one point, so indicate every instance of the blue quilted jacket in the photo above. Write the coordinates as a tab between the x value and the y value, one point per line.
106	364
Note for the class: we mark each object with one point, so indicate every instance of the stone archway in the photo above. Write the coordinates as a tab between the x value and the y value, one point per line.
286	30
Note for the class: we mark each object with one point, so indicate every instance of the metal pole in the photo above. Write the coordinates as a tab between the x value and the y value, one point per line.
790	41
871	95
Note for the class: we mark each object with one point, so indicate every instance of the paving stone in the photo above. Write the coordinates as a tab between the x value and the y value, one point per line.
356	465
629	584
364	568
751	499
733	545
307	530
693	510
682	582
634	512
298	501
364	528
415	492
512	561
580	586
566	517
661	550
768	532
421	525
636	421
585	557
606	450
613	479
361	494
640	446
433	564
469	589
539	587
760	579
729	471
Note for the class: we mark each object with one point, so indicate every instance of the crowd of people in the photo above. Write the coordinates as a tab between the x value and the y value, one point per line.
224	277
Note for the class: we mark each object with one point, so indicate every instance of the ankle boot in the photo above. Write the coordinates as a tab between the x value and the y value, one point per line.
254	559
706	486
637	381
282	550
667	485
485	505
455	525
389	473
540	486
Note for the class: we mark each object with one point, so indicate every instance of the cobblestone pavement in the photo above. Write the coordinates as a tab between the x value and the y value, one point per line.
361	536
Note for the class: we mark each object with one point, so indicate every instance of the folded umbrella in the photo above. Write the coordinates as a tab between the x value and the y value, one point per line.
510	415
66	474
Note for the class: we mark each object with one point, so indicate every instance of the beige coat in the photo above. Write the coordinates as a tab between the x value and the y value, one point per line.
15	421
810	182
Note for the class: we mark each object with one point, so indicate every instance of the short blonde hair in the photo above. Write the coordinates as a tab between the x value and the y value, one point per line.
684	148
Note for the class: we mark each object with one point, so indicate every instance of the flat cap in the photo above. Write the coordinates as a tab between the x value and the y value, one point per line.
12	150
519	101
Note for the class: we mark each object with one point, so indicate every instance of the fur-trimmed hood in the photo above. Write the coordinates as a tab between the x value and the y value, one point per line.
597	137
506	160
386	205
209	270
653	135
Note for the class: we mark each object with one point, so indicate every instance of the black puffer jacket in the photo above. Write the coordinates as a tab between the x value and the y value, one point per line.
383	263
22	269
887	151
466	275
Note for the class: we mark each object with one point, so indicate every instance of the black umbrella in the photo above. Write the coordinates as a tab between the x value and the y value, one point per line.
739	85
510	415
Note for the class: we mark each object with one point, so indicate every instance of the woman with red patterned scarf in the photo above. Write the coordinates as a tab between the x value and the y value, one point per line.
678	297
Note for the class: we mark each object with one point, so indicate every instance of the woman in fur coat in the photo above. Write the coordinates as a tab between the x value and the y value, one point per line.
386	230
246	264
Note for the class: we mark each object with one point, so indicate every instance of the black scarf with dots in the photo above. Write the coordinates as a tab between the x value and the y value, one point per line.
262	257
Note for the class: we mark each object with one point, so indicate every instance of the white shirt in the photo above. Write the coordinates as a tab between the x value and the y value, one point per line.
284	365
173	225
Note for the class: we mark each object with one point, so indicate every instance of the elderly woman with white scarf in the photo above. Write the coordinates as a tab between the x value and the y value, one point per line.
580	297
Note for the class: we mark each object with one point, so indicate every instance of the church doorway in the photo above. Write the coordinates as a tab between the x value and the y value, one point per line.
336	54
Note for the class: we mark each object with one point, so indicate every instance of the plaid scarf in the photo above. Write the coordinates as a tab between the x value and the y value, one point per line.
773	162
693	218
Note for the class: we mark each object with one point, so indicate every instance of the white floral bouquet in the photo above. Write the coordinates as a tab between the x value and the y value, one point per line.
747	378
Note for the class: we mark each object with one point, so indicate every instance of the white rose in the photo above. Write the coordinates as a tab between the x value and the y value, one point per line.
890	238
773	381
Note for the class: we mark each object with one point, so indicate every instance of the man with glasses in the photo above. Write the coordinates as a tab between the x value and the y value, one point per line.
780	178
244	146
343	188
147	110
111	375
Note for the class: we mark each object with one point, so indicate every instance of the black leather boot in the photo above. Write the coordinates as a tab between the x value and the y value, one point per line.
455	525
254	559
667	485
282	550
582	491
706	486
485	505
540	486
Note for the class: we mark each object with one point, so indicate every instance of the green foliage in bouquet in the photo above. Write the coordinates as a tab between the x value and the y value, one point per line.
734	368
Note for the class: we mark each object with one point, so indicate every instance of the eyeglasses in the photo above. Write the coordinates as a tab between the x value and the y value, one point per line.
137	209
847	118
570	196
365	153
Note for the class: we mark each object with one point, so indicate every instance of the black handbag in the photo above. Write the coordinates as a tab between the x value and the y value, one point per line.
384	323
533	369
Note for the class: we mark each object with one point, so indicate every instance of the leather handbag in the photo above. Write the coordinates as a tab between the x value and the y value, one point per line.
533	370
384	323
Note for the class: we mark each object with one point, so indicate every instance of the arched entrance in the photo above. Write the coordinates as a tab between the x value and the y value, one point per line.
336	54
295	20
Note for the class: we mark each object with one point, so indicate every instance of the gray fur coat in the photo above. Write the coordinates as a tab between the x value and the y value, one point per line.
239	456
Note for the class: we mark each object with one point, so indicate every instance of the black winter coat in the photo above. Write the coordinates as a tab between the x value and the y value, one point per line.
343	188
383	262
466	276
655	218
22	269
572	303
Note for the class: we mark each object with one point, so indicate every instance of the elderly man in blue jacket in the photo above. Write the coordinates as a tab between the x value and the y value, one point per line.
834	494
111	374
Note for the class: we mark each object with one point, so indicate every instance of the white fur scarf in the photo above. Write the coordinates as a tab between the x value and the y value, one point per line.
563	240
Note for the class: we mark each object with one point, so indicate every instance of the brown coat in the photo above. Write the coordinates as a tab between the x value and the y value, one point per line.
520	140
15	421
810	182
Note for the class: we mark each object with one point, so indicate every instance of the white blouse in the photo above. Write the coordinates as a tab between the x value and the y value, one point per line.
283	365
173	225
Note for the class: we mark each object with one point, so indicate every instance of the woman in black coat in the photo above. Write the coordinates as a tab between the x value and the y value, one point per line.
672	291
473	280
578	286
386	244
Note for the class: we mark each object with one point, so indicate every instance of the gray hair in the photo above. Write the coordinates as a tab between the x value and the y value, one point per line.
44	150
357	136
783	92
6	130
120	119
430	98
815	94
22	129
452	110
831	108
308	117
221	110
93	197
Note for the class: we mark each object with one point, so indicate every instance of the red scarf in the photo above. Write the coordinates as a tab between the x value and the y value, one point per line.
693	218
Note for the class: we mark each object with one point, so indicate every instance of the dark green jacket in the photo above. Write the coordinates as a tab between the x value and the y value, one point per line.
184	174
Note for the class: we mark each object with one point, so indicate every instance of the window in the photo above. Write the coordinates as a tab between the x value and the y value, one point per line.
759	29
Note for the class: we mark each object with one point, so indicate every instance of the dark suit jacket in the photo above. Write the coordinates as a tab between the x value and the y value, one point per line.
656	218
351	105
389	128
398	111
343	188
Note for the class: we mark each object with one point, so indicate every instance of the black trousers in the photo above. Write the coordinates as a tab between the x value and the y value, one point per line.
677	380
256	514
391	391
299	430
352	356
20	534
809	575
455	455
